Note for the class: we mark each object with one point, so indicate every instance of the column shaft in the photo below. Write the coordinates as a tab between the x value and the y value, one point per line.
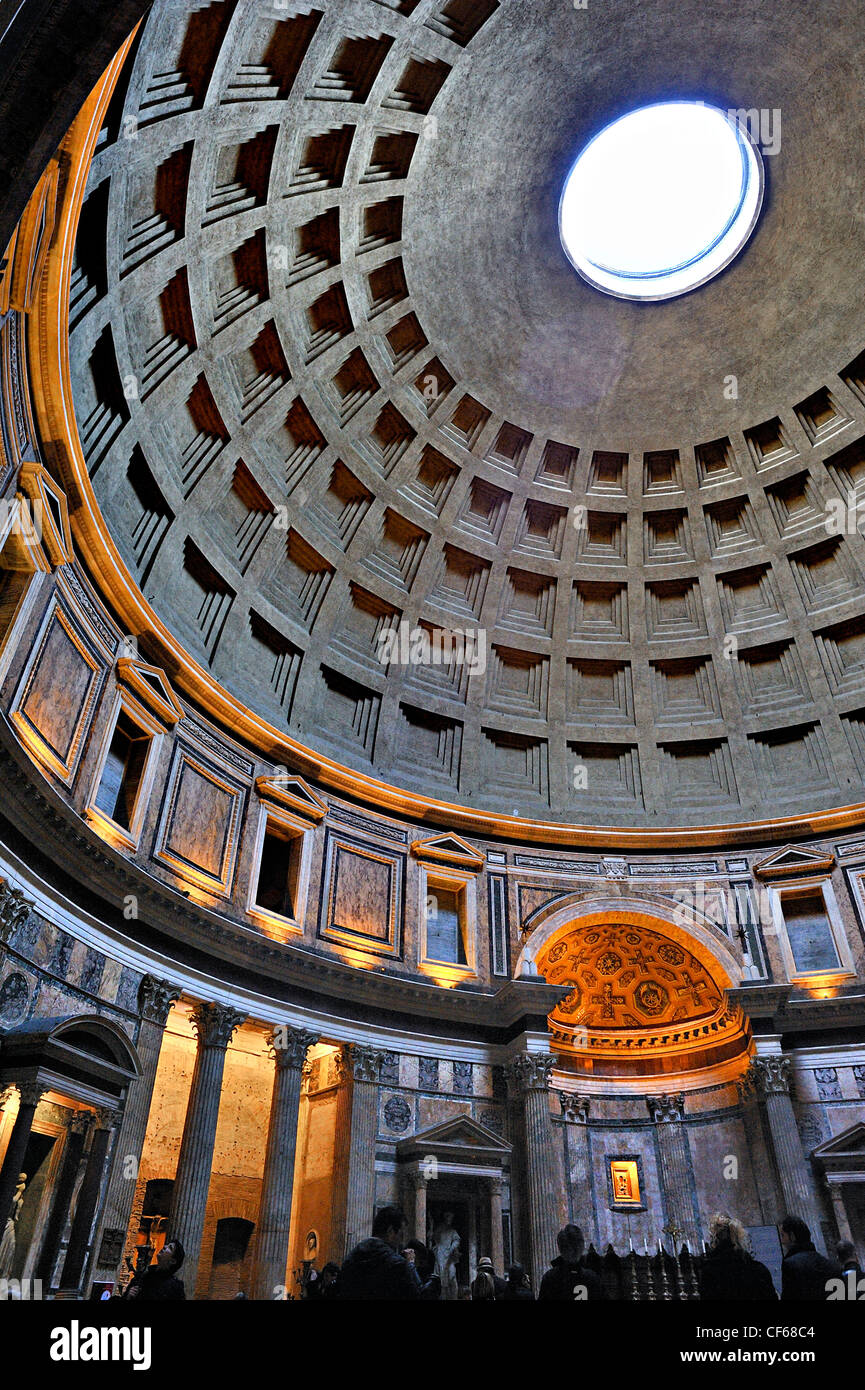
341	1155
88	1197
497	1252
530	1075
214	1025
668	1114
155	998
30	1094
575	1111
75	1135
419	1187
365	1063
289	1047
797	1188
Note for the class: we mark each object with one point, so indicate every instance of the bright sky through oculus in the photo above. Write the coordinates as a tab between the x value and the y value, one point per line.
661	200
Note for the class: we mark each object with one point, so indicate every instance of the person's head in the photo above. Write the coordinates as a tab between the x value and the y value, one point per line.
485	1265
329	1273
846	1252
726	1233
794	1232
170	1257
516	1276
423	1258
389	1226
571	1244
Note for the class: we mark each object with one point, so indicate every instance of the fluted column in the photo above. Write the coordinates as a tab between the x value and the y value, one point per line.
772	1075
668	1112
289	1047
214	1026
77	1129
30	1093
497	1239
575	1113
365	1066
529	1080
88	1198
155	998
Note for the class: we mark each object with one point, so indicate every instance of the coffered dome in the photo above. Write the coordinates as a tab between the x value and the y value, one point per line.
410	489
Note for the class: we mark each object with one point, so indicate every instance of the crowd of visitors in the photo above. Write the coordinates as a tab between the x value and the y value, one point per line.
389	1266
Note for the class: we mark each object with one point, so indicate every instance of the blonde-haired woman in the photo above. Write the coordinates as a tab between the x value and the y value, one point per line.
730	1273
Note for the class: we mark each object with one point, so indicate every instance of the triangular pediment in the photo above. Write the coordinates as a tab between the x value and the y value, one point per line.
850	1143
448	849
461	1132
50	511
152	687
791	860
293	792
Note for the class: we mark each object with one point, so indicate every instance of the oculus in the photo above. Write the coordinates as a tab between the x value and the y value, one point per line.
661	200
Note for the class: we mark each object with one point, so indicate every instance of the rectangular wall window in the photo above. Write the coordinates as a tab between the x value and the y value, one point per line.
809	933
448	911
279	872
445	931
123	771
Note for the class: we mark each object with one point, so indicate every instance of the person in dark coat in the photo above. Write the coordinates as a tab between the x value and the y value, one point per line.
424	1263
517	1286
729	1272
485	1266
568	1278
322	1285
804	1272
159	1282
381	1267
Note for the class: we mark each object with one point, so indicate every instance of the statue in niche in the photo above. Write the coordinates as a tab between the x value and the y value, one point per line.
7	1244
446	1249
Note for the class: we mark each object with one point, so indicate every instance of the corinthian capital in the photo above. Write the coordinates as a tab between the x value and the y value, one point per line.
364	1062
666	1110
772	1075
289	1046
215	1024
531	1071
155	998
107	1117
31	1092
575	1108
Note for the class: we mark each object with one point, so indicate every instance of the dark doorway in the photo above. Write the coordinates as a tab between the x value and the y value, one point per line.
232	1248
